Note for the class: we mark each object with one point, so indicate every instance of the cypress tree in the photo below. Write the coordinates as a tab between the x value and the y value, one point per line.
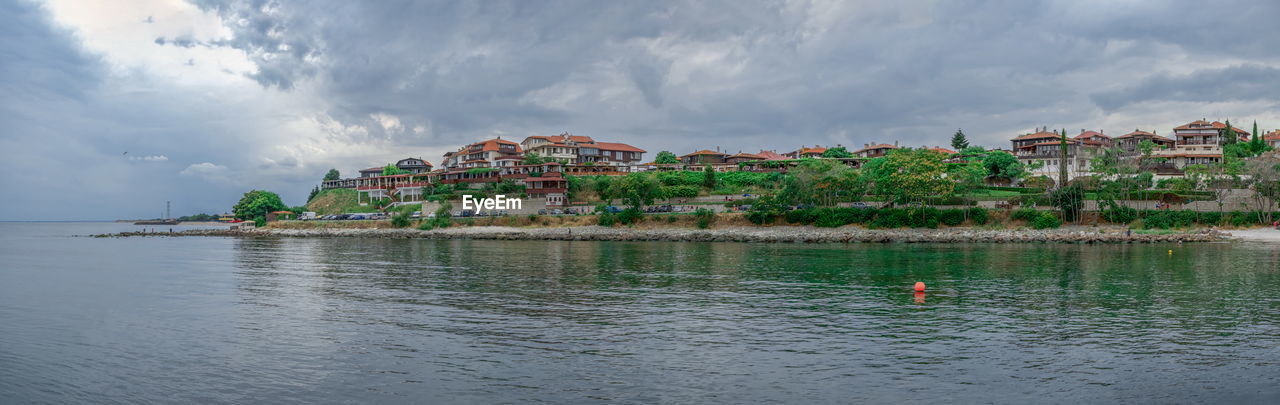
1229	134
1062	160
1255	143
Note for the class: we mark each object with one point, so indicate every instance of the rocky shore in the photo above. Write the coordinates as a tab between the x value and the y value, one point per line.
780	234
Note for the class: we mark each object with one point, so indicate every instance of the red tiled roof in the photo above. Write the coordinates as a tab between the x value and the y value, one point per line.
1069	141
943	150
747	156
1091	134
1272	136
1200	124
618	147
1037	135
705	152
815	149
492	145
771	155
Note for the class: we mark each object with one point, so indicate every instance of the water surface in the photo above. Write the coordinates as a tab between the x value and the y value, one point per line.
213	320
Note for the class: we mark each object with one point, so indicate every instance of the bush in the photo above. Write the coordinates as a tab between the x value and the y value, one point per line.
952	217
1209	218
1120	214
400	220
681	191
1046	220
630	216
890	218
1025	214
608	219
802	216
426	226
978	215
705	217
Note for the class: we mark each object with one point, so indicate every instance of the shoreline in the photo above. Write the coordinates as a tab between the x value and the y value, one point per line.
775	234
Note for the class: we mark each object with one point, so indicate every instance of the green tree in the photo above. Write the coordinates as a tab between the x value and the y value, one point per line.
314	192
909	176
838	152
1062	160
255	205
1255	142
959	141
1228	134
532	158
332	175
392	170
973	150
1069	199
636	189
1003	165
1146	147
666	158
709	178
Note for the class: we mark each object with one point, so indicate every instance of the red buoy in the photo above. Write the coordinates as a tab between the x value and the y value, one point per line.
920	286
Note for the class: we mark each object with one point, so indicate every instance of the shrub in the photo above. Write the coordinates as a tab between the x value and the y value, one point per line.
952	217
802	216
607	219
1025	214
1120	214
671	219
978	215
400	220
705	217
890	218
630	216
681	191
426	226
533	217
1209	218
926	217
1046	220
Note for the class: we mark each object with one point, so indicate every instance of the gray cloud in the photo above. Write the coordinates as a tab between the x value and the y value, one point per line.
1233	83
405	78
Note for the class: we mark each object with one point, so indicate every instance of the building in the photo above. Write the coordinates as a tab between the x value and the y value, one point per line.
1201	132
743	157
1129	143
575	149
414	165
874	151
489	153
942	150
552	186
770	155
610	154
371	172
1272	139
1095	139
1041	151
806	152
703	157
563	147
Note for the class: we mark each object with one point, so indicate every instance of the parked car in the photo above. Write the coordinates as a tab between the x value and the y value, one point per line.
861	205
416	214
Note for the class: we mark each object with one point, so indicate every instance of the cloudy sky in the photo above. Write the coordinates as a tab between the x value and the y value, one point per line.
111	108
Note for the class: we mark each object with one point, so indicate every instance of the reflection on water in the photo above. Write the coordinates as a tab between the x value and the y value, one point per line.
330	320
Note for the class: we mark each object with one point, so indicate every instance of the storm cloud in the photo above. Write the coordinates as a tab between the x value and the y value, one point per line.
238	95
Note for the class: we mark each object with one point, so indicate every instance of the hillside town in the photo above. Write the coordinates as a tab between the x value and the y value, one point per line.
539	166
